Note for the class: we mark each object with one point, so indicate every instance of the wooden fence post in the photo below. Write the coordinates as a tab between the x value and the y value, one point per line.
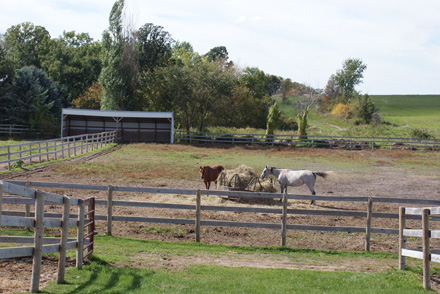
80	236
30	153
402	225
27	206
368	228
426	249
284	219
55	149
47	151
38	241
90	226
74	146
197	221
39	152
109	210
9	158
63	240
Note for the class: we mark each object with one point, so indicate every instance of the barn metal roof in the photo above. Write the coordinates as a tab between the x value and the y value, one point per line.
110	113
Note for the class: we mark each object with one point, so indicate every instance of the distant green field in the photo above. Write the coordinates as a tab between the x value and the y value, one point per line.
419	111
402	113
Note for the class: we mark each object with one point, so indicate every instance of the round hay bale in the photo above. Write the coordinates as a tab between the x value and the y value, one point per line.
245	175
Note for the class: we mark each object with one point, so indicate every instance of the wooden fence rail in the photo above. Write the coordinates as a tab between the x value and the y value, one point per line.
10	129
369	214
33	152
181	136
39	220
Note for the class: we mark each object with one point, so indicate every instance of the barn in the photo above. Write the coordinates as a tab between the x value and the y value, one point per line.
135	126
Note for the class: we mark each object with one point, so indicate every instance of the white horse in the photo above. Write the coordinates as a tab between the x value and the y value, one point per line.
295	178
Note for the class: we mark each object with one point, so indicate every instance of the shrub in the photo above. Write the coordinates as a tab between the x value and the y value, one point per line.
365	109
288	124
340	108
420	134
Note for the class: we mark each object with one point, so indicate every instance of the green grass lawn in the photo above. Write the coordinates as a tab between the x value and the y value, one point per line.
98	278
117	267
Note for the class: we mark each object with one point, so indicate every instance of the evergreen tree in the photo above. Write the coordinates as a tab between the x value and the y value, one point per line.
34	100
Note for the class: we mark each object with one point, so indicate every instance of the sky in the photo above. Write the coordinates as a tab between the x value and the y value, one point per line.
306	41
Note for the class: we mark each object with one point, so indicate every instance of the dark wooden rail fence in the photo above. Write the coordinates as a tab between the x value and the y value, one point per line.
198	208
10	129
306	141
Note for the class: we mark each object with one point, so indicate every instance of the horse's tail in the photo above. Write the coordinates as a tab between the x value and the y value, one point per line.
321	174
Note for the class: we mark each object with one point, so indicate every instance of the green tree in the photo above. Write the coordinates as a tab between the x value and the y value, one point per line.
73	61
154	46
34	99
351	75
6	77
191	86
181	48
364	109
27	44
119	74
220	55
286	87
274	84
257	81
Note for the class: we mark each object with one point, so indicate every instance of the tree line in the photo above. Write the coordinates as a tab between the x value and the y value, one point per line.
131	69
141	69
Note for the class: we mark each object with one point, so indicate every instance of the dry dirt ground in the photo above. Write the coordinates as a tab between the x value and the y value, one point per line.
15	273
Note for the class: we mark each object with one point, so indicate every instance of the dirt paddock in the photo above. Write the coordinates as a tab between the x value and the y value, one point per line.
15	273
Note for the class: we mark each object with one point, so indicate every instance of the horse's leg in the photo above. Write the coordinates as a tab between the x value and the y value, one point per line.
283	189
313	193
311	185
313	201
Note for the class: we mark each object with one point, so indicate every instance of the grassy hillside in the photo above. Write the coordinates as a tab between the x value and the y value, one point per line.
404	115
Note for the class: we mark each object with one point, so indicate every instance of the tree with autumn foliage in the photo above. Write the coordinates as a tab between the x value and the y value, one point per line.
90	98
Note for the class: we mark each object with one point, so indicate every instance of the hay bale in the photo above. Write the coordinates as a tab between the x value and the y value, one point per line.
245	175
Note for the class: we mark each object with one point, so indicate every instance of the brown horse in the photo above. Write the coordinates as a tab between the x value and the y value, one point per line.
209	174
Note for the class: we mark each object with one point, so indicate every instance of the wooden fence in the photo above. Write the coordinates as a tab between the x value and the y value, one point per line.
11	130
197	221
425	253
181	136
36	152
39	220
